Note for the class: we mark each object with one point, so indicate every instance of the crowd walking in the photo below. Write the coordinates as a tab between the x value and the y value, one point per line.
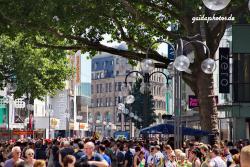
69	152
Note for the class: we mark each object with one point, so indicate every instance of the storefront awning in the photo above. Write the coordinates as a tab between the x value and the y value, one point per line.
169	129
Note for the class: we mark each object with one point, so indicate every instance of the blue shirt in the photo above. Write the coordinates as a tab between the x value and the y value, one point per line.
106	158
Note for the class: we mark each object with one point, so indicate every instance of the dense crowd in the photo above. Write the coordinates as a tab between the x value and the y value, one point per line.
68	152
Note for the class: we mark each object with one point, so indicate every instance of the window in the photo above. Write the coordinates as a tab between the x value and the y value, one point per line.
100	100
92	89
106	87
116	86
119	86
97	88
100	87
110	101
110	87
117	61
117	72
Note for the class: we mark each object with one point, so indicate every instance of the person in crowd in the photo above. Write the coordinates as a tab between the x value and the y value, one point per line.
136	160
167	151
245	156
102	150
159	157
183	162
16	157
40	150
142	161
55	153
150	160
195	157
29	157
128	156
80	152
67	150
69	161
120	155
177	152
227	156
236	160
39	163
216	160
92	158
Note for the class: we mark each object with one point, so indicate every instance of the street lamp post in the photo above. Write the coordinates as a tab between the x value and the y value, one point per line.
49	111
181	63
97	122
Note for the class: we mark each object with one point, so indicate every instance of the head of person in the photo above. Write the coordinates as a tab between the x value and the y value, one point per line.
245	156
137	150
157	148
20	164
141	154
177	153
194	153
236	158
69	161
172	157
151	149
215	152
168	149
39	163
183	157
102	149
126	147
66	144
16	152
203	149
89	148
80	145
29	154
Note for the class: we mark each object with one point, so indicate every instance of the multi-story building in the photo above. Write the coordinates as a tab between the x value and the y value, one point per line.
108	74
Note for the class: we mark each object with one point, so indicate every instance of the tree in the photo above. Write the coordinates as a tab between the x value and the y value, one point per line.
81	24
33	71
148	116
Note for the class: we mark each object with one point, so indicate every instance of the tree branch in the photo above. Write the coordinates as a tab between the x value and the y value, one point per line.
147	21
161	8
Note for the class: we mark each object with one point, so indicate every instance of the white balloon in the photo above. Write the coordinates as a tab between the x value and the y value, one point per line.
216	4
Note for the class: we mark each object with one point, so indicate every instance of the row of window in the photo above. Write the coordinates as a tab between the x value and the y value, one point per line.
108	101
102	64
107	87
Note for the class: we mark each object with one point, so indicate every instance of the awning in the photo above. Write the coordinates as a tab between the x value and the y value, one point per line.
169	129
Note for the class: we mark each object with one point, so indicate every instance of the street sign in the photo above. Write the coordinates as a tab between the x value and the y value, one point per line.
171	53
79	117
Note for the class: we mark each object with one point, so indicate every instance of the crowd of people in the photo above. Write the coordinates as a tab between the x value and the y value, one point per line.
69	152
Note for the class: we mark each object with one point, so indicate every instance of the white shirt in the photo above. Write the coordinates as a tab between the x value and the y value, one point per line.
217	162
150	159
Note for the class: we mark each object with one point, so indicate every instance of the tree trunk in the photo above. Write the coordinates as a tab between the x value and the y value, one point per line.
207	105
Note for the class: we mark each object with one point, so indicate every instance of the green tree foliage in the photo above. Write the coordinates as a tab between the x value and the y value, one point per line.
31	70
148	117
81	24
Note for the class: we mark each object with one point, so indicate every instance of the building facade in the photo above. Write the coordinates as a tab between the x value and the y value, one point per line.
108	75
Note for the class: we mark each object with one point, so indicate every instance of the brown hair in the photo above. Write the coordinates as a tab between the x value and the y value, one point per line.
68	159
39	163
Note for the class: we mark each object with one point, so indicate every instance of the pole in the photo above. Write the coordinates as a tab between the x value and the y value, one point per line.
8	117
130	121
49	124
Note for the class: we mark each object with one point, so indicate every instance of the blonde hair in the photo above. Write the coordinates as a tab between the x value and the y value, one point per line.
39	163
28	151
244	156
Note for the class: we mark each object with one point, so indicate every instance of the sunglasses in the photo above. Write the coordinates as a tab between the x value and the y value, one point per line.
30	153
